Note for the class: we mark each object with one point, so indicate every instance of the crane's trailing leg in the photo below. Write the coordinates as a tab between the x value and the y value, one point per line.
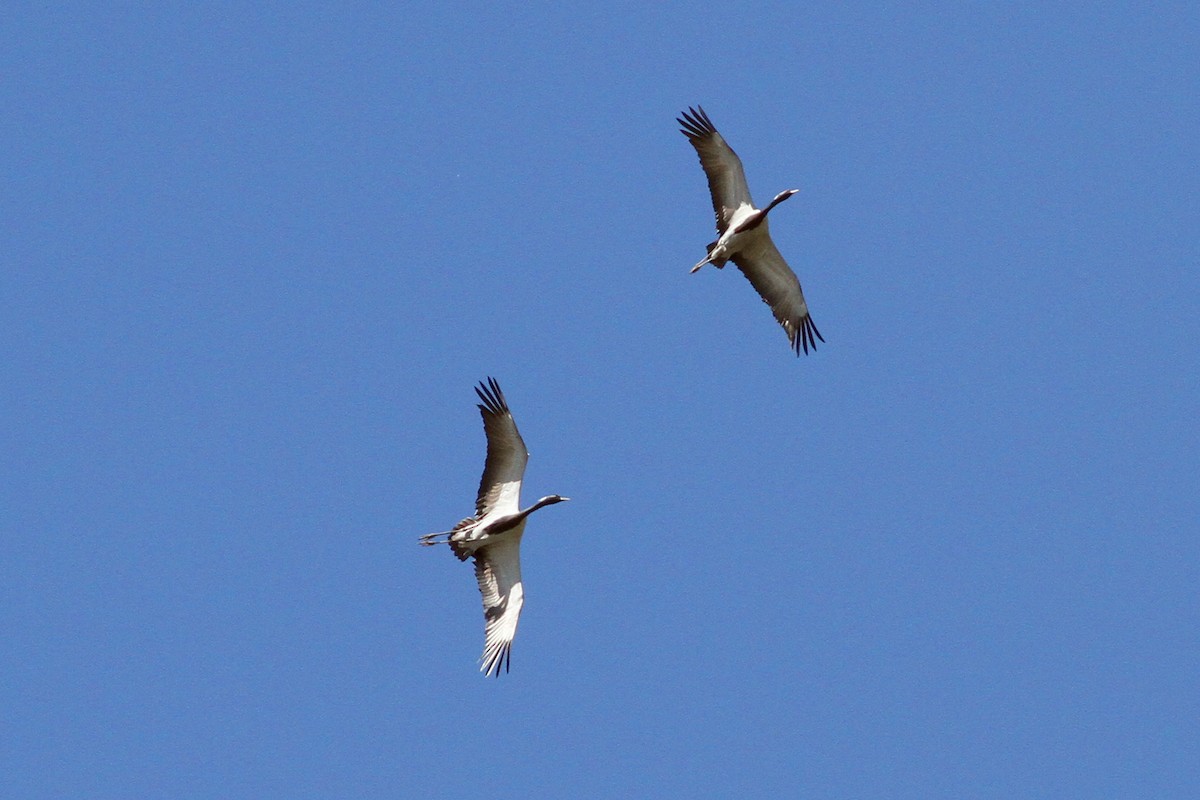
717	261
430	539
467	525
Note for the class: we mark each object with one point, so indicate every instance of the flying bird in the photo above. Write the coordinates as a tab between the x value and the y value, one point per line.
493	536
743	237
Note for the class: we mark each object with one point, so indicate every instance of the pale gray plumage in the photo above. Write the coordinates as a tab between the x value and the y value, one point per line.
743	234
493	536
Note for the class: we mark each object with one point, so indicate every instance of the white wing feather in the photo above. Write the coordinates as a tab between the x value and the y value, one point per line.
498	570
500	486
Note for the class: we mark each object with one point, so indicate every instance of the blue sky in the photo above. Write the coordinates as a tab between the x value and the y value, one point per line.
256	258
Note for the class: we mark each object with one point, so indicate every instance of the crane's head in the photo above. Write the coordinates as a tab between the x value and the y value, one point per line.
551	499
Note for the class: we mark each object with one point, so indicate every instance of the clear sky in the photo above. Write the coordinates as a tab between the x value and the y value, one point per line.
255	257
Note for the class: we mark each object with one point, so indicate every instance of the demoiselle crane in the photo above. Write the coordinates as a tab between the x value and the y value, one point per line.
743	236
493	536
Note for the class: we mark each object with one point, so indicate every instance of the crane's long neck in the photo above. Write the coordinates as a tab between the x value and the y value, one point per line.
545	501
779	198
508	523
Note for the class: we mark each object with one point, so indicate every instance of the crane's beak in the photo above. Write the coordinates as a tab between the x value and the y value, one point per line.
693	269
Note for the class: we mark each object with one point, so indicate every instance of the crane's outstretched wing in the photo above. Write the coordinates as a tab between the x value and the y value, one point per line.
500	486
779	288
726	178
498	570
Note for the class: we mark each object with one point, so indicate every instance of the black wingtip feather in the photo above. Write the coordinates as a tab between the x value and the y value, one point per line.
696	124
492	397
804	337
501	657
